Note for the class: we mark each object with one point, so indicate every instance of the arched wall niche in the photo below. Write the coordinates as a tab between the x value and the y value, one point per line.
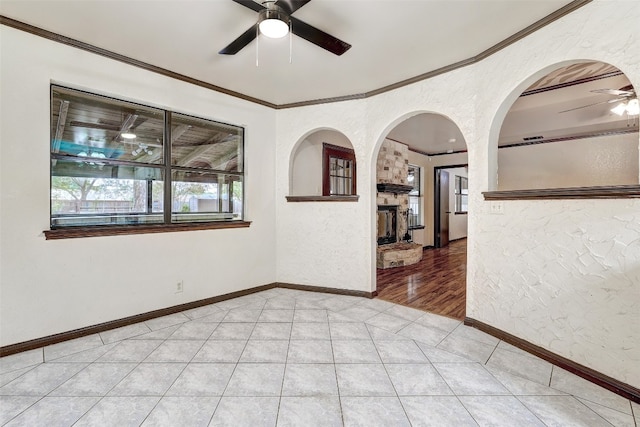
305	162
587	146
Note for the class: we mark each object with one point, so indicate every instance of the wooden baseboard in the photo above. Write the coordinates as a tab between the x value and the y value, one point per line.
336	291
126	321
625	390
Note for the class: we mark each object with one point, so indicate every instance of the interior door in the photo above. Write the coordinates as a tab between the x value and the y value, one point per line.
442	208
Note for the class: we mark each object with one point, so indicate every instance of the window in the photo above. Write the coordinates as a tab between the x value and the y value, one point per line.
415	197
338	171
462	194
119	163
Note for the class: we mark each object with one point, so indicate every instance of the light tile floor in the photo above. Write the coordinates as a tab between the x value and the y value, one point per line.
293	358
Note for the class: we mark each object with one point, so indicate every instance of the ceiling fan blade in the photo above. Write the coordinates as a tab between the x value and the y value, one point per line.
318	37
236	45
250	4
613	92
610	101
291	6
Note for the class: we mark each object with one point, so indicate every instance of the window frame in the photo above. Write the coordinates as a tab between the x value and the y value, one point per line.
417	194
170	221
335	151
459	195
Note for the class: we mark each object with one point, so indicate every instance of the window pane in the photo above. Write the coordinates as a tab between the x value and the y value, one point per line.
414	211
413	179
203	196
91	193
462	192
347	186
86	125
203	144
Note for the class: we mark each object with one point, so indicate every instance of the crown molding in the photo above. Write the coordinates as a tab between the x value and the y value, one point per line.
563	11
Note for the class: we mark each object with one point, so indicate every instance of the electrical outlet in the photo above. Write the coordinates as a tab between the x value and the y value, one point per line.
497	208
179	287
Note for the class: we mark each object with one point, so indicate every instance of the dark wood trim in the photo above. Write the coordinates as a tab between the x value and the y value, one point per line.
388	187
424	153
336	291
125	59
126	321
567	9
124	230
321	101
572	83
625	390
330	150
612	132
102	327
322	198
604	192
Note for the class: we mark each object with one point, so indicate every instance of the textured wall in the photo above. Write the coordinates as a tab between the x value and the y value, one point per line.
570	283
608	160
569	277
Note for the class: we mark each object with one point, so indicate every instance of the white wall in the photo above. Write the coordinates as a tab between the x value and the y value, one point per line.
610	160
568	278
54	286
563	275
324	243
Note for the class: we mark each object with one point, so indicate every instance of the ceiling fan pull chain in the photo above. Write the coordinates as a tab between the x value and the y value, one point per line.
257	44
290	42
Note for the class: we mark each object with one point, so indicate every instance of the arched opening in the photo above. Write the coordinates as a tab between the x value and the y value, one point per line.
310	165
575	125
420	219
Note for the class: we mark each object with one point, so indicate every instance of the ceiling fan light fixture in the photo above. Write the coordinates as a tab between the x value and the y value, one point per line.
620	108
633	107
273	23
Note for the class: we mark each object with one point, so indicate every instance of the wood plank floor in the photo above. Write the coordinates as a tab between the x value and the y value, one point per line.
437	283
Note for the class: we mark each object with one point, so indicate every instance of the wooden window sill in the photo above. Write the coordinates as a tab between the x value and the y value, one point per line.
120	230
322	198
608	192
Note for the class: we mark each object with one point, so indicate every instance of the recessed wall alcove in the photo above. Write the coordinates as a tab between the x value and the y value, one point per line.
311	168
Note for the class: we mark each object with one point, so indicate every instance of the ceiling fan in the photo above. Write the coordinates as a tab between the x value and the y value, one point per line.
625	95
276	15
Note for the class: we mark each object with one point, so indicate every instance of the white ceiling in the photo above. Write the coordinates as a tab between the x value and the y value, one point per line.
392	40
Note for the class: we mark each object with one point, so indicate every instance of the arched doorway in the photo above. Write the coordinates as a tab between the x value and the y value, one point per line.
427	212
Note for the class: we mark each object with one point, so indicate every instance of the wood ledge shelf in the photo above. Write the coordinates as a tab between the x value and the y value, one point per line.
608	192
99	231
322	198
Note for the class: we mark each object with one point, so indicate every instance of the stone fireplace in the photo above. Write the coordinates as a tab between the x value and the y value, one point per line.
387	224
392	170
